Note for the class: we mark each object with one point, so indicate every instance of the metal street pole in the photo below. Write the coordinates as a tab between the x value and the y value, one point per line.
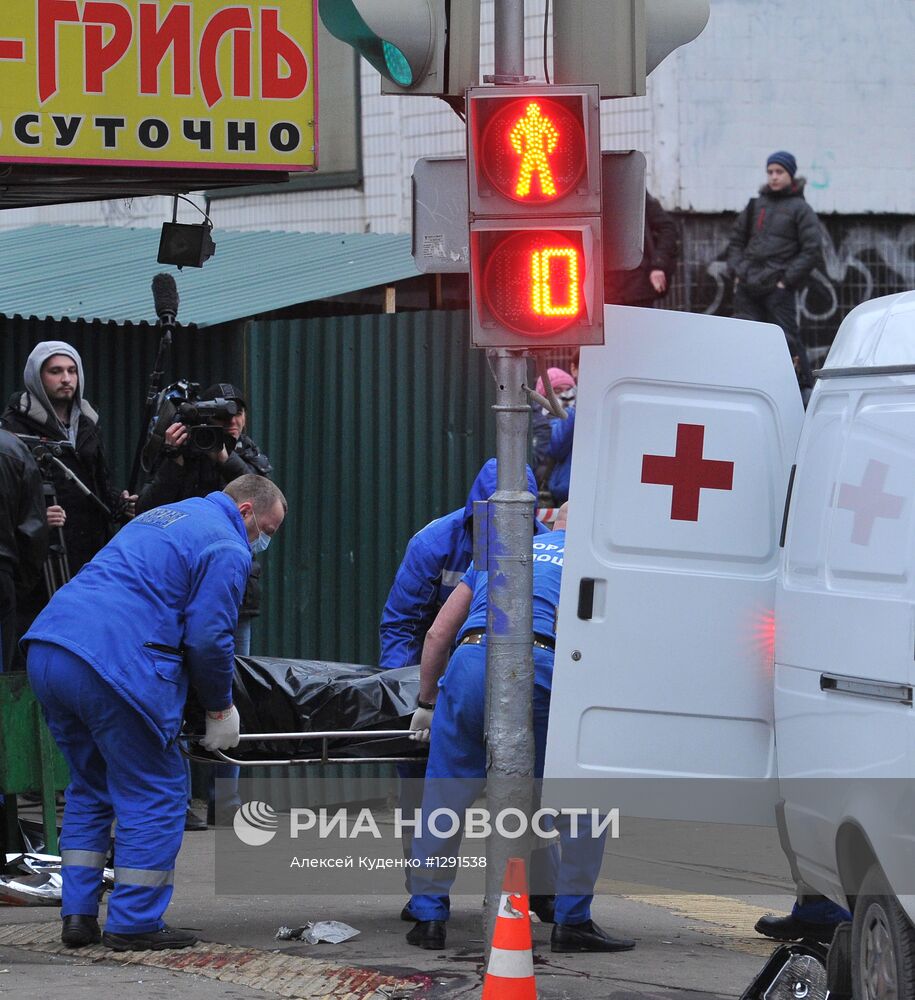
509	626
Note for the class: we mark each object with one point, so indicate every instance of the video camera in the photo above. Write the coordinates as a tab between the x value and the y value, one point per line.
48	454
180	403
44	448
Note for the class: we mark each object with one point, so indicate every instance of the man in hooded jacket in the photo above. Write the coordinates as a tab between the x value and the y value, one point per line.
774	245
52	406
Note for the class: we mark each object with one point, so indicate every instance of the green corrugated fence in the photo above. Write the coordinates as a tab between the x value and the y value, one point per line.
375	425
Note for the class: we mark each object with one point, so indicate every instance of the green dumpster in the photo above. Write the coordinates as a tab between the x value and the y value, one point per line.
29	758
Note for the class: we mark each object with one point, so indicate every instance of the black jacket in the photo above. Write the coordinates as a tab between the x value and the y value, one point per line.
197	477
23	522
662	248
87	527
775	238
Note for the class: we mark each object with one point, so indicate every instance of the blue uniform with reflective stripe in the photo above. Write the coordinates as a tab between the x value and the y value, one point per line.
457	750
105	661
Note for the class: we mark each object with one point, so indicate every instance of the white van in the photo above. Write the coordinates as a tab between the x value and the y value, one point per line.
737	619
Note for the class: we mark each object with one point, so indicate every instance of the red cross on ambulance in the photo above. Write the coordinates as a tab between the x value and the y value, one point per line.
687	472
869	501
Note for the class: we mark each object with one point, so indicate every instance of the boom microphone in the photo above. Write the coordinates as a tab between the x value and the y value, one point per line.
165	298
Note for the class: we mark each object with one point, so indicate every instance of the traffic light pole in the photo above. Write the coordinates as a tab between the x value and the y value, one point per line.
509	626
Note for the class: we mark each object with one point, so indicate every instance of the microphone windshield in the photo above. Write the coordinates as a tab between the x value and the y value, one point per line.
165	295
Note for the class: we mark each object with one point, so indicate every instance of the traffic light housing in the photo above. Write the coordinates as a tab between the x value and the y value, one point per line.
424	47
619	42
534	198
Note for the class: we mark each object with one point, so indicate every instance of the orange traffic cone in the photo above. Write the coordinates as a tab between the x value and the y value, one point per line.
510	975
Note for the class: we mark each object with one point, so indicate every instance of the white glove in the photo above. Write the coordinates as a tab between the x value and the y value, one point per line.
223	729
421	725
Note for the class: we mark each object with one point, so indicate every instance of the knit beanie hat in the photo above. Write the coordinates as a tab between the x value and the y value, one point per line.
558	378
785	160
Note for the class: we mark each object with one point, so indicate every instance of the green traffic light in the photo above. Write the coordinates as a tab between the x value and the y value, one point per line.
343	19
397	64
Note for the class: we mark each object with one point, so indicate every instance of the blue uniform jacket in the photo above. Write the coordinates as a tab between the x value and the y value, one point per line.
157	607
436	559
560	450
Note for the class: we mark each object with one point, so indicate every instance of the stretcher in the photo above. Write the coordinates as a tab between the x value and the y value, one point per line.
315	712
323	755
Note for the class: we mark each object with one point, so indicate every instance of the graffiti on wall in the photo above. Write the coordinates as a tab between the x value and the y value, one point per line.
862	259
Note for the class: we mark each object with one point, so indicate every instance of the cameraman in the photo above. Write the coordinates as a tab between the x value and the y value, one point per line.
180	471
52	407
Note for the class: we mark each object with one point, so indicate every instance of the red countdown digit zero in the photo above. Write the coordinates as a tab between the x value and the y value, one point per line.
532	281
533	150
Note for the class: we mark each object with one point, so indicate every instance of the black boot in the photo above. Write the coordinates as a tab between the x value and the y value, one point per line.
79	930
165	937
586	937
792	928
428	934
193	822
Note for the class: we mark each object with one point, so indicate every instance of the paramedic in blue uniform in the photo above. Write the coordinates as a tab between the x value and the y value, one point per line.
110	659
452	708
437	557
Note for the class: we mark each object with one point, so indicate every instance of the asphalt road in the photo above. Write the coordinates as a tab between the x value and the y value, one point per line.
698	944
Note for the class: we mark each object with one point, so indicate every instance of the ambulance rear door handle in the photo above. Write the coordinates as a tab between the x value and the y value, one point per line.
862	687
586	599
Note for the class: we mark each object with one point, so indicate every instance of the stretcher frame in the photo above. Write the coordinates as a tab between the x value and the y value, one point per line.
325	757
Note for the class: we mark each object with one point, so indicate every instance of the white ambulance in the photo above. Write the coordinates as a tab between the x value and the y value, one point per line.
737	619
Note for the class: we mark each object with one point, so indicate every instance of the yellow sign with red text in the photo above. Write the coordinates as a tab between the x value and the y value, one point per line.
152	83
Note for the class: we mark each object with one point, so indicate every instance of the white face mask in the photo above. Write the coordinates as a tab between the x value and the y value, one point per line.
262	541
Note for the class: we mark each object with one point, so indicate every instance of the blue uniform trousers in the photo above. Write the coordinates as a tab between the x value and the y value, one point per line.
455	776
118	770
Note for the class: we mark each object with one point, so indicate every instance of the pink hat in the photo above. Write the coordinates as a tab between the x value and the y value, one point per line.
560	379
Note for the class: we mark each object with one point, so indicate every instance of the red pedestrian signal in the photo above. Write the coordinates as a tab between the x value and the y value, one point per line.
534	198
533	150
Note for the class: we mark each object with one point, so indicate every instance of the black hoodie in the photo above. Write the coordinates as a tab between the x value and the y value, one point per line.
87	527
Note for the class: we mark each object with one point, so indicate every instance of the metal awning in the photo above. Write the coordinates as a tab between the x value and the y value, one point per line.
104	273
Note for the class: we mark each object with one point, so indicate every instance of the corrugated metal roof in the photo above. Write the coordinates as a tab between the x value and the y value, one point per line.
105	273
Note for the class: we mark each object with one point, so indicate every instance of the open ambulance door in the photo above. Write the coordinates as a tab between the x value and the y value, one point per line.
685	434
